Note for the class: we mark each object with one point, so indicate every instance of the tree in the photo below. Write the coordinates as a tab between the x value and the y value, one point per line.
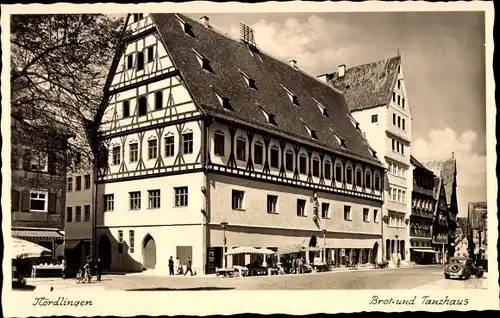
59	66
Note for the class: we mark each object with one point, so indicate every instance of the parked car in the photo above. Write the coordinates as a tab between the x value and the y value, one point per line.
461	267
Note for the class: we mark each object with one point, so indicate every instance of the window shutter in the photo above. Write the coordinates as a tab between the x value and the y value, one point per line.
25	201
14	197
52	203
27	161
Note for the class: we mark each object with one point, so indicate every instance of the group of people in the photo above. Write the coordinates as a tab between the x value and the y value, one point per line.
85	271
175	267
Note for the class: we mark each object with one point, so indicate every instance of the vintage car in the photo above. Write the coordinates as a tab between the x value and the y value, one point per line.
461	267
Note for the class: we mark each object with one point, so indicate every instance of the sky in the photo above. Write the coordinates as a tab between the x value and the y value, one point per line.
443	60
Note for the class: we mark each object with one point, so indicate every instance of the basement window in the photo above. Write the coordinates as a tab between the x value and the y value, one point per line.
293	98
204	62
322	109
225	102
250	81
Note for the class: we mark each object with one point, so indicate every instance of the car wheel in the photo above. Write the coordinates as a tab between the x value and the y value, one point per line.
446	276
467	276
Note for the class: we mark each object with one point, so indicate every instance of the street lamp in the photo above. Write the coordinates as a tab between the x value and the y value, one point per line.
324	246
224	227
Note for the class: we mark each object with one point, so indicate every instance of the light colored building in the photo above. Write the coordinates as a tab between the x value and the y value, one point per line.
213	143
462	246
478	228
376	95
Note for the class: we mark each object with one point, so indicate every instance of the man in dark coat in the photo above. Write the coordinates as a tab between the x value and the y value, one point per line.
188	267
98	267
171	265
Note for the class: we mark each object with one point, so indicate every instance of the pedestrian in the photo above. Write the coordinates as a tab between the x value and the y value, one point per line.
98	267
178	268
171	265
188	267
64	266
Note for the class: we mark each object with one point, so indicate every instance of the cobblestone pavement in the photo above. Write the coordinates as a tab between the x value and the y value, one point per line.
401	278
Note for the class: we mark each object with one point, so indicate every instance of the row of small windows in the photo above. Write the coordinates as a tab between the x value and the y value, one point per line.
398	99
397	169
78	214
397	195
187	148
131	236
400	122
143	105
258	155
78	183
423	204
398	147
180	199
149	52
396	220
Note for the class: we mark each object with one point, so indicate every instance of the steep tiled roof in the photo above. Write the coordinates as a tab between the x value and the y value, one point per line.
418	164
230	59
368	85
446	170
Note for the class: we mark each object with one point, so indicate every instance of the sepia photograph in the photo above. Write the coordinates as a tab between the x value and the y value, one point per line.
211	151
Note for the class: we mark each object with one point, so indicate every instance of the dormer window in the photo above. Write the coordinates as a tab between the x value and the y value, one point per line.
204	62
322	109
250	81
354	122
185	26
225	102
293	98
311	132
269	117
341	141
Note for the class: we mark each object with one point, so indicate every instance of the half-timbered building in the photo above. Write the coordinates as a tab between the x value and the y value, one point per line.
203	130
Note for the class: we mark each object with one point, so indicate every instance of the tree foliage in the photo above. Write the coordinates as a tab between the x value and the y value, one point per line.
59	66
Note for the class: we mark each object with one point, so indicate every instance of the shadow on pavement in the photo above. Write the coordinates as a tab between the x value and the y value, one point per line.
25	287
180	289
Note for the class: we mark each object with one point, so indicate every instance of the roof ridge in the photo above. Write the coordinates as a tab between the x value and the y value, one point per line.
374	62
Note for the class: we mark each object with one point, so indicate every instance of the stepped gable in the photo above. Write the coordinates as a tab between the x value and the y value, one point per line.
368	85
230	58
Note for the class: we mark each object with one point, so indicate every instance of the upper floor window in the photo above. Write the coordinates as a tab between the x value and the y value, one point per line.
181	196
403	102
377	182
399	100
154	199
69	184
109	202
78	214
349	175
140	61
374	118
302	164
366	215
87	181
325	210
293	98
134	152
116	155
399	121
158	100
328	168
347	213
130	61
219	144
368	180
394	119
187	142
39	161
169	146
78	183
131	237
315	167
258	153
289	160
237	199
359	179
301	207
151	54
272	202
152	149
394	97
403	124
241	148
38	201
375	216
143	106
86	213
69	214
204	62
338	172
135	200
126	108
274	157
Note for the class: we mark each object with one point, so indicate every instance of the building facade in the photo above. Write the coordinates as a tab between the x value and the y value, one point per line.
383	110
211	143
38	167
422	214
478	229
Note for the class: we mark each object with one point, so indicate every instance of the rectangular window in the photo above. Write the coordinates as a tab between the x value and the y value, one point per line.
69	184
316	167
237	199
399	121
374	118
274	157
78	185
154	199
130	61
158	100
368	181
399	195
301	207
338	173
393	145
403	102
120	241
328	168
366	215
359	182
131	238
152	149
143	106
109	202
397	146
126	109
135	200
187	143
347	213
78	214
169	146
140	61
394	119
403	124
349	175
219	144
302	164
399	100
289	161
69	214
181	196
150	54
116	155
375	216
325	210
134	152
87	181
86	213
377	183
399	84
402	149
394	97
241	149
272	202
258	153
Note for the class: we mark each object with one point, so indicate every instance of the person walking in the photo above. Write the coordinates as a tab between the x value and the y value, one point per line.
188	267
171	265
64	266
98	268
177	266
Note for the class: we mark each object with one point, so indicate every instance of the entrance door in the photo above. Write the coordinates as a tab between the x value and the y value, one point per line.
374	253
149	252
104	251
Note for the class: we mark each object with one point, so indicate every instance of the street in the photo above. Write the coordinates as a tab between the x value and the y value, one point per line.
430	277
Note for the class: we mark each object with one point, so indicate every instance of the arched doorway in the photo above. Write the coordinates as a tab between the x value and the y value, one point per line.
374	253
312	243
104	251
149	252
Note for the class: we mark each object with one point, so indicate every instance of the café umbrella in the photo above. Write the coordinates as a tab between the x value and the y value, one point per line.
249	250
26	249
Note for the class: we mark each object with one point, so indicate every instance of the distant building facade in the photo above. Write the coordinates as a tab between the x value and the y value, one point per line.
478	229
462	246
381	107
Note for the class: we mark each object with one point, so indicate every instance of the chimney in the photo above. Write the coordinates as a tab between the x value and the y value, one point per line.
293	63
324	77
453	155
341	70
205	20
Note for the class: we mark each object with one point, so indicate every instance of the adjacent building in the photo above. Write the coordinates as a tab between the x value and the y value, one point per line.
478	229
376	95
422	214
212	143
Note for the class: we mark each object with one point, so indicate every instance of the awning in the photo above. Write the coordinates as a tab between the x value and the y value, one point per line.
69	245
425	251
351	243
26	249
297	249
45	234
